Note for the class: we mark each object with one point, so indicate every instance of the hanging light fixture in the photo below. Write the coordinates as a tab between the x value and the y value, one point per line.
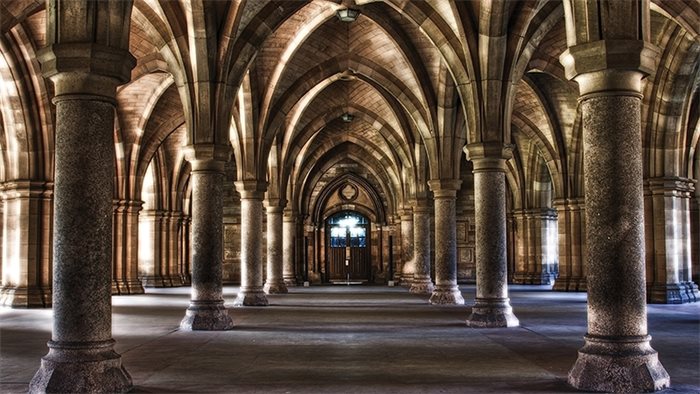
347	117
347	15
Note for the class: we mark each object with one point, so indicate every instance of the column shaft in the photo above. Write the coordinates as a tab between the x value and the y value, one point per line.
421	284
617	355
206	310
251	292
288	236
407	249
274	283
81	345
492	305
572	245
25	257
446	289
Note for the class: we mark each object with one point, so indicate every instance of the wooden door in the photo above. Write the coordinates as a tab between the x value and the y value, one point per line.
348	248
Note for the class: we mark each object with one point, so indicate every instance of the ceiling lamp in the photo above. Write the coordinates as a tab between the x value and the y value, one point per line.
347	15
347	117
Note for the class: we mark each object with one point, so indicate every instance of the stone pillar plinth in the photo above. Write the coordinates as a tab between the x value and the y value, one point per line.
407	249
617	355
421	284
26	230
288	237
446	291
492	306
536	261
572	245
206	310
668	241
81	354
274	283
251	292
126	246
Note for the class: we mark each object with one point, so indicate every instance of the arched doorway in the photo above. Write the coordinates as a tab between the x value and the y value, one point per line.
349	257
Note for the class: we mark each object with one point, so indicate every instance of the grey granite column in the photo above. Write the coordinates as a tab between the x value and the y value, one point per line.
251	292
421	284
408	258
206	310
81	354
446	290
274	284
492	305
288	226
617	355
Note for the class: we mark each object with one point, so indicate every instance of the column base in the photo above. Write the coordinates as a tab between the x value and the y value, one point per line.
618	364
492	313
290	282
540	278
446	295
154	281
81	367
125	287
275	288
570	284
25	297
421	286
173	281
406	280
206	316
673	293
186	280
247	297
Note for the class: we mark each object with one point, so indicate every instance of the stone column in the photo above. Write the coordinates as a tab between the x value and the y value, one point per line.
407	250
251	292
184	255
446	290
617	355
151	270
274	283
572	245
288	239
536	263
81	354
421	284
695	232
206	310
26	258
492	305
173	244
668	241
125	251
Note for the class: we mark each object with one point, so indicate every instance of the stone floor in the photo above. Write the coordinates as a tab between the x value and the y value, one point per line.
352	339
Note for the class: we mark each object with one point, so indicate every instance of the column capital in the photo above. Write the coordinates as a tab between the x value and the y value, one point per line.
444	188
78	68
489	156
270	209
671	186
251	189
609	65
207	157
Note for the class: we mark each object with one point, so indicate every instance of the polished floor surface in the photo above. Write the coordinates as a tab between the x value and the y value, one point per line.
352	339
